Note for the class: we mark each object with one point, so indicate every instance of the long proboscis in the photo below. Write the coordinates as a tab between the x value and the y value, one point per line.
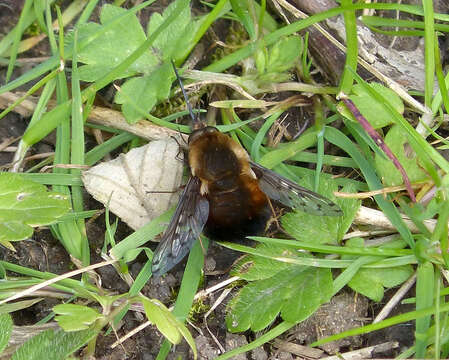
196	123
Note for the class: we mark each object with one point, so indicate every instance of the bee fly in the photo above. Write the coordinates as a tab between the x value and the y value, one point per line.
226	195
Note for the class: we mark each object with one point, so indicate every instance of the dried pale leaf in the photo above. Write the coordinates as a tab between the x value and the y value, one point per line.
140	185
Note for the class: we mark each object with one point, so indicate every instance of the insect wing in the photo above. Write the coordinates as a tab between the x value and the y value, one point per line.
288	193
185	227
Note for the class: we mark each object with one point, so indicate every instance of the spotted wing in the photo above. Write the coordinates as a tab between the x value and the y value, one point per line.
185	227
288	193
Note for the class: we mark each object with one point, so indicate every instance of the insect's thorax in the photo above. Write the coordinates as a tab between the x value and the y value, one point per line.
217	159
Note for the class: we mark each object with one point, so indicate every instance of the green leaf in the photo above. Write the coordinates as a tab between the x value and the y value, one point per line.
372	281
140	94
112	47
24	203
252	267
350	208
425	295
397	140
167	323
284	53
240	9
132	254
51	345
18	305
160	316
281	57
322	229
175	40
295	293
370	108
72	317
5	330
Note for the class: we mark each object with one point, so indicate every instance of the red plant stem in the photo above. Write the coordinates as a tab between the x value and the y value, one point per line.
381	143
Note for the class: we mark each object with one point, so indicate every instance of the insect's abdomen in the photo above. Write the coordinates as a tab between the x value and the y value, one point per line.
233	214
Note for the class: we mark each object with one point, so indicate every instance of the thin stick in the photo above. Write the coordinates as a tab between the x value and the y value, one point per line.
36	287
395	299
368	194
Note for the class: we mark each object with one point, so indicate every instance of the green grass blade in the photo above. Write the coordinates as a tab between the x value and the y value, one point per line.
331	160
319	127
440	77
400	23
232	59
141	236
17	36
257	143
275	157
69	284
383	324
260	341
119	69
77	150
351	48
87	12
48	122
55	179
345	277
207	22
189	286
54	61
429	51
339	139
98	152
424	299
330	249
409	130
78	215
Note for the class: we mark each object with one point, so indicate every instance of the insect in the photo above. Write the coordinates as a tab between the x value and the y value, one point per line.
226	195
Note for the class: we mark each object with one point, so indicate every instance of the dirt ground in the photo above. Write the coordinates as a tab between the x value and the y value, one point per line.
44	253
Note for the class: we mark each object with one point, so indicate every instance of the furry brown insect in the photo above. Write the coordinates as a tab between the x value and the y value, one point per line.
227	196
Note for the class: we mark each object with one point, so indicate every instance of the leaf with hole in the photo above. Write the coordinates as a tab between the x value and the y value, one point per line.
24	204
